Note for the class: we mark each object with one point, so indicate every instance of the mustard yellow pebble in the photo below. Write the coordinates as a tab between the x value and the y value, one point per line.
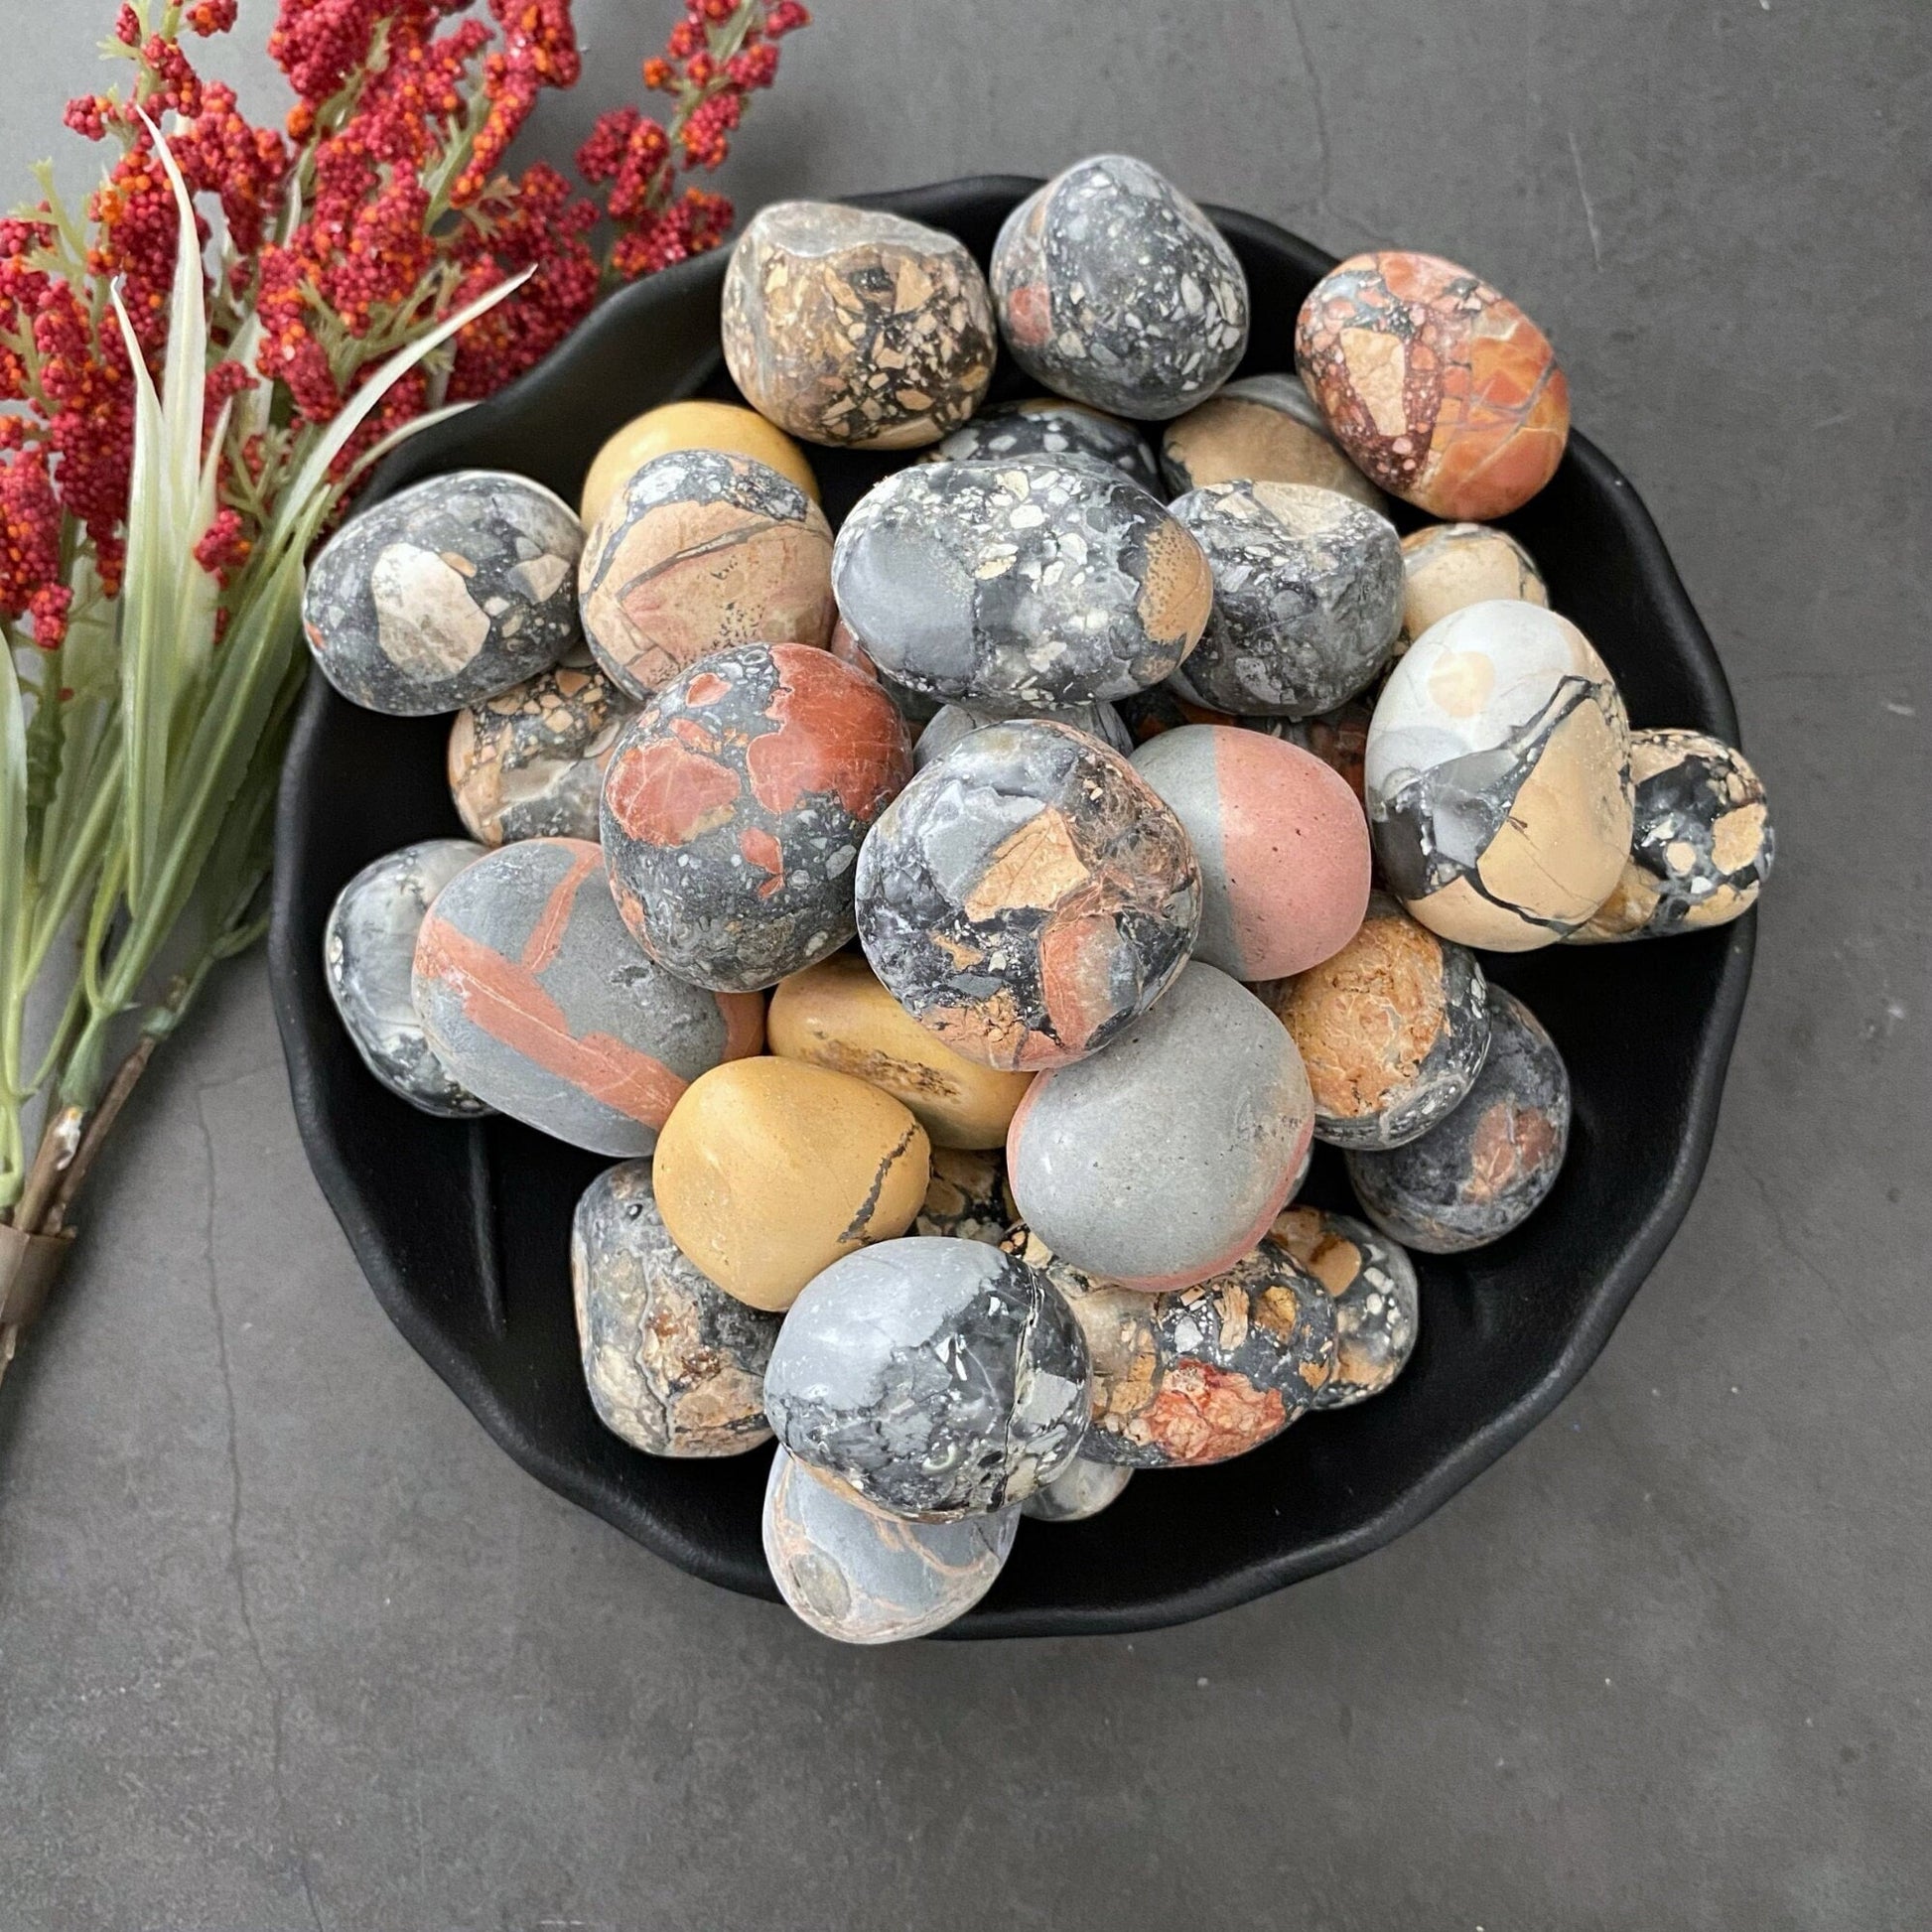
697	425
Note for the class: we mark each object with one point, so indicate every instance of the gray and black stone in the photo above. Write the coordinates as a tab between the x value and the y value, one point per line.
369	946
1378	1303
1051	426
1112	288
1307	598
939	1378
445	594
1027	583
953	722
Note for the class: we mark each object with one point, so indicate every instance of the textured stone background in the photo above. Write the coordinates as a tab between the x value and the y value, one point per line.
285	1642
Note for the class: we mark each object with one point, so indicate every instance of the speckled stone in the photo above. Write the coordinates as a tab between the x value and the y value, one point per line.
698	424
1446	566
1203	1373
734	805
445	594
856	1574
836	1013
915	707
1261	429
1442	389
1112	288
1022	585
1027	895
1378	1303
1702	843
699	551
854	327
674	1365
1080	1490
1280	840
769	1170
1489	1165
1307	598
966	1197
1392	1030
533	995
1162	1160
1053	427
938	1378
1498	778
529	763
368	948
953	722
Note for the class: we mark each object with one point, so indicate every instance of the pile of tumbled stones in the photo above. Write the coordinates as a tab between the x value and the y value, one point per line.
1218	791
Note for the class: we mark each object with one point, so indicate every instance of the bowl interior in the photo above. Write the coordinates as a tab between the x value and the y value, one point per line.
462	1229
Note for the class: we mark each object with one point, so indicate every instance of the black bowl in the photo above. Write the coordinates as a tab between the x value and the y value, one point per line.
464	1229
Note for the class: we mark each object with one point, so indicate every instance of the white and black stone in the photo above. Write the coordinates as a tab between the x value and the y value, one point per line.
1027	583
939	1378
1051	426
445	594
367	949
1378	1303
674	1365
1307	598
1112	288
952	721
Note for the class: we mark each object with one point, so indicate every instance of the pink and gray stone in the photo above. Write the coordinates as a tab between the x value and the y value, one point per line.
533	995
1112	288
1052	426
1021	584
1378	1303
938	1377
1164	1160
1080	1490
952	721
445	594
858	1573
1486	1169
1282	843
1307	598
674	1365
368	948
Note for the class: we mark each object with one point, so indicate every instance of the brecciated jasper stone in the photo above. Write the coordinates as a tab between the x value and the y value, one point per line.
850	326
1393	1030
1051	426
1080	1490
367	949
1202	1373
445	594
1377	1300
769	1169
858	1573
1702	845
1161	1161
938	1378
1485	1169
674	1364
1446	566
953	722
1307	598
966	1197
837	1015
1021	584
1112	288
1443	390
1027	895
697	424
1261	429
700	550
529	763
1280	840
1498	778
734	807
534	996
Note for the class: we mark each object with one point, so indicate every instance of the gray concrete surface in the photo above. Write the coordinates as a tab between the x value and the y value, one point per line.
285	1642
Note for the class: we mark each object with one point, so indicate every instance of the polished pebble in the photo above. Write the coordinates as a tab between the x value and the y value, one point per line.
445	594
1378	1303
1446	566
534	996
1486	1168
1338	737
1147	714
695	425
1307	598
674	1365
938	1377
1260	429
1160	1160
734	805
369	947
952	721
915	707
1027	894
966	1197
1053	427
1021	584
1080	1490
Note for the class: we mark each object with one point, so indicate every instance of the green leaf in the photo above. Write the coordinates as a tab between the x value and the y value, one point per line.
13	844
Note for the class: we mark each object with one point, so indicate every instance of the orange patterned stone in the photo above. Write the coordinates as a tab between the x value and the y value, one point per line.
1439	386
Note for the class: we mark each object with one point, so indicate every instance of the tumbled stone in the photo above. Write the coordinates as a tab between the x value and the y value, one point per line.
1260	429
1053	427
966	1197
1080	1490
1446	566
698	424
952	721
1378	1303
